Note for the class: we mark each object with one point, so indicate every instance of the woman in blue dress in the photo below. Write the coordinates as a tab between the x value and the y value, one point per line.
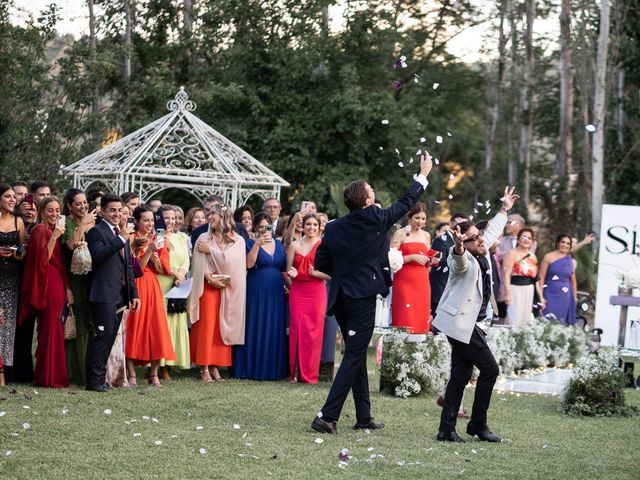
558	278
264	353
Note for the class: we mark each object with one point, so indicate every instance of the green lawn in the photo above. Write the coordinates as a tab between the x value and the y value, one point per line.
274	439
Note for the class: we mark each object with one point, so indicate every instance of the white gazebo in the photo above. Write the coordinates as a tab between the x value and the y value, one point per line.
177	151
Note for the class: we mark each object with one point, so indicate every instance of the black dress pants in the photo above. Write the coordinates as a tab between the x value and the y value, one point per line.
356	319
463	358
107	323
22	369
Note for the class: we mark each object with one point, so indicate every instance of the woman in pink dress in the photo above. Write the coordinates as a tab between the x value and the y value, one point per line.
307	302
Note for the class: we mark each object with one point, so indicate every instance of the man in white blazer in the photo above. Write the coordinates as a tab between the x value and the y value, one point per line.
460	314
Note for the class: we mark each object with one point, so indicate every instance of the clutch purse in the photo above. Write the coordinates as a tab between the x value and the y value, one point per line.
70	331
209	277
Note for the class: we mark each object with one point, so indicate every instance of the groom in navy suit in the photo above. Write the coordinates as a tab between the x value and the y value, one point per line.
112	286
354	252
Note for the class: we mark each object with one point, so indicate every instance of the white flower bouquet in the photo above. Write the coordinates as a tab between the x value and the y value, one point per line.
629	278
395	259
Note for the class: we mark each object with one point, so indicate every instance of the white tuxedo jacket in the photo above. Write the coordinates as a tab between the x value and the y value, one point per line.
462	297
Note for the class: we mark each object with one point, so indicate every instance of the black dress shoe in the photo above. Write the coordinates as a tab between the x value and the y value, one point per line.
449	437
99	388
483	433
369	424
322	426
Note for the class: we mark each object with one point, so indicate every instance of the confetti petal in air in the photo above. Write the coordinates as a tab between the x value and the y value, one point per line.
590	128
385	122
352	333
396	84
435	86
437	162
397	151
449	134
565	289
401	165
439	139
555	277
422	139
452	177
450	197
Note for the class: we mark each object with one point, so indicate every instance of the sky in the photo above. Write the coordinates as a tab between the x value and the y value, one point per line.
74	13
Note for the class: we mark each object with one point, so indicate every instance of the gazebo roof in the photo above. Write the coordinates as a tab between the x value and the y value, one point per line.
177	150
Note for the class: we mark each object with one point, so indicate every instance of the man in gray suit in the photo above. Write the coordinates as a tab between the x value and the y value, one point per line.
460	315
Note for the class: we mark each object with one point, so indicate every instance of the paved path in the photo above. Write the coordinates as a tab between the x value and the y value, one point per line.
550	382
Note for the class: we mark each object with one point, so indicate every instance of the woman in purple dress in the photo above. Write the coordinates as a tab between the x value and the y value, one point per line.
558	282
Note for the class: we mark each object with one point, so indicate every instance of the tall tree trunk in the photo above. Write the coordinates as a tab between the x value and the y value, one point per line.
93	56
599	110
495	111
526	100
188	9
128	37
564	161
512	165
619	115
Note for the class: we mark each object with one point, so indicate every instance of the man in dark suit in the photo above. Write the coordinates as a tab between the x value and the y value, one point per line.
112	286
440	273
207	205
354	252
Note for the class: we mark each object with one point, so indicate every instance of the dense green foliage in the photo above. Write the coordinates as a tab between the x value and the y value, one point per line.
308	100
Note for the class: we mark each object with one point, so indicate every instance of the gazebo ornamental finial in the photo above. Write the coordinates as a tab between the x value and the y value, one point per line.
181	102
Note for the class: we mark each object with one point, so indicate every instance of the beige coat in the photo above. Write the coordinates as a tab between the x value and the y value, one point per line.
230	260
462	297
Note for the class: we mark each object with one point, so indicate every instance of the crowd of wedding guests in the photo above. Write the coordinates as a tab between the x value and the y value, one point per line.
114	285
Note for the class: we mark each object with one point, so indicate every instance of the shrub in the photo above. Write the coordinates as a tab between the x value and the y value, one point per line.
597	387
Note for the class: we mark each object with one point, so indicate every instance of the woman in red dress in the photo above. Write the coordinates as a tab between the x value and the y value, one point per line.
307	304
148	339
411	297
44	291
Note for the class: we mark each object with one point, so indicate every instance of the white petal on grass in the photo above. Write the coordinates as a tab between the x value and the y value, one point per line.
199	427
2	414
438	139
107	411
203	451
158	442
319	441
26	426
137	434
370	449
27	407
155	420
236	426
144	417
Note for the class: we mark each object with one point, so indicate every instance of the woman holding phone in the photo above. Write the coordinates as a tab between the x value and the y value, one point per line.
45	289
148	339
12	236
78	222
264	353
411	293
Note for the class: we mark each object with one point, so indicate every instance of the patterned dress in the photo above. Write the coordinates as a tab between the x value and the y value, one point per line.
9	290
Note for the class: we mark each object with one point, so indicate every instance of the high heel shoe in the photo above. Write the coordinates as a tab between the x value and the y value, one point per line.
133	382
205	376
153	381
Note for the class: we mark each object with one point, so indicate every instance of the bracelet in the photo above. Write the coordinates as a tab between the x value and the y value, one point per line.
504	209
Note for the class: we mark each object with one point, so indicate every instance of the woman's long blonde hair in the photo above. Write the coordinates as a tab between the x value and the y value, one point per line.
227	224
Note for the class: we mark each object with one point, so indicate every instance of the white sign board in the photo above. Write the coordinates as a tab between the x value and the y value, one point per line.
619	249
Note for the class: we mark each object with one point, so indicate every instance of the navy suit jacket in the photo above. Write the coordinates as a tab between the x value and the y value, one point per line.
355	249
109	267
440	274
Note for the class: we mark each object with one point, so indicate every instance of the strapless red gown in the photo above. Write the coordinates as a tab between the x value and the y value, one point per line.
411	298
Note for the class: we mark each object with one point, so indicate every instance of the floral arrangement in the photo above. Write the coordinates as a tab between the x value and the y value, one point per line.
629	278
597	387
395	259
414	368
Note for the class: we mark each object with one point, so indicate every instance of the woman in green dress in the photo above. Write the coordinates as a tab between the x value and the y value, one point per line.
78	222
177	309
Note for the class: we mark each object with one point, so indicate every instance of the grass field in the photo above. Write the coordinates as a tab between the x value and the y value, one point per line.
261	430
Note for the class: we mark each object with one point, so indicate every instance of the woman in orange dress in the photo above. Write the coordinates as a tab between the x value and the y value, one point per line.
148	339
411	293
218	294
